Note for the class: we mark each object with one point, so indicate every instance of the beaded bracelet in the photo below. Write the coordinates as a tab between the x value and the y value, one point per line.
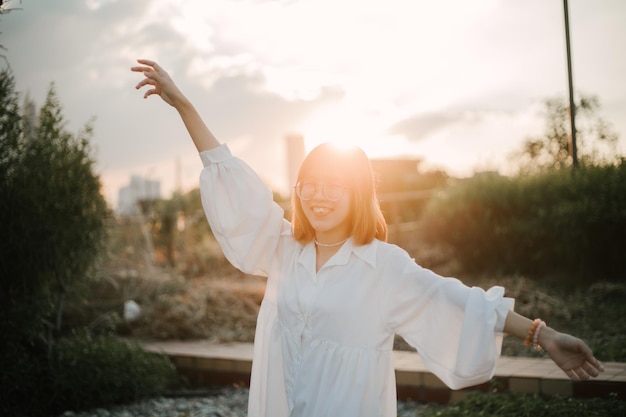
536	344
531	332
532	338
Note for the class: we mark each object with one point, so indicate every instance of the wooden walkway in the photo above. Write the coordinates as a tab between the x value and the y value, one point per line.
204	363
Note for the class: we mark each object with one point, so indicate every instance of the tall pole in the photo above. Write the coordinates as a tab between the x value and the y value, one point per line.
572	106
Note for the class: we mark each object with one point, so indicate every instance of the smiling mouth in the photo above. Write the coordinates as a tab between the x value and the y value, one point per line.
320	210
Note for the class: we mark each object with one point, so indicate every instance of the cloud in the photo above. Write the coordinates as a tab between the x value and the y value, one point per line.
420	126
397	76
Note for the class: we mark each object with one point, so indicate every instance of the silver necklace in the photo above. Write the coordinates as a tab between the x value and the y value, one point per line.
330	245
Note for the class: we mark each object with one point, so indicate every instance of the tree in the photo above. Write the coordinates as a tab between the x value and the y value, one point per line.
51	214
595	139
5	8
11	126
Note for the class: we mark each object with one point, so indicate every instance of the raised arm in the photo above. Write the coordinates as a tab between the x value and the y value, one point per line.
163	85
571	354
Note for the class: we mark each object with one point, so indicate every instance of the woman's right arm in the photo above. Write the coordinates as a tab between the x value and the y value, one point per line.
164	86
238	205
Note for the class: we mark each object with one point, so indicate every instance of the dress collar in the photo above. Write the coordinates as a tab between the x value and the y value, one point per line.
366	252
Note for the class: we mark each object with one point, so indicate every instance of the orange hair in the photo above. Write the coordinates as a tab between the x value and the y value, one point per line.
353	168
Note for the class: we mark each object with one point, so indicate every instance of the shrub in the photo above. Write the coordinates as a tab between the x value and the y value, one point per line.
598	315
97	370
81	371
52	226
25	379
547	224
51	215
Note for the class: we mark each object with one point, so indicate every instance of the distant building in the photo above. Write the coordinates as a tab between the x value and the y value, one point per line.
394	175
139	189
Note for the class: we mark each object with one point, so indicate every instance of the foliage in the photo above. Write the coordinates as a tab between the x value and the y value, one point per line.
594	138
82	371
597	316
25	378
550	223
221	305
11	126
96	370
178	228
52	226
503	405
51	208
5	8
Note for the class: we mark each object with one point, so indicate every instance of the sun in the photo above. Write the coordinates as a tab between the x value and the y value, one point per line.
340	125
346	126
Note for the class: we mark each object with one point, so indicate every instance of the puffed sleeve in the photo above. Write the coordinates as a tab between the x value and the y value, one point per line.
456	329
241	212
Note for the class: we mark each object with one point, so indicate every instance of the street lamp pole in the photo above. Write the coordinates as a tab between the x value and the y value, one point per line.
572	105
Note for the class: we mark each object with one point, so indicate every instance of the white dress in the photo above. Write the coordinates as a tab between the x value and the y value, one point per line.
323	343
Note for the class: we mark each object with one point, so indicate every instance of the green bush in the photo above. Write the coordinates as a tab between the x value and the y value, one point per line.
503	405
597	316
25	379
51	214
91	371
553	223
82	371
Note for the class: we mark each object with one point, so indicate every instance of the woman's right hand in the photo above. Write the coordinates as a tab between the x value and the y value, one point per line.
163	86
162	83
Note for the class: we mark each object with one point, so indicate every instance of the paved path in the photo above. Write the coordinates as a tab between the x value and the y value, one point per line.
203	362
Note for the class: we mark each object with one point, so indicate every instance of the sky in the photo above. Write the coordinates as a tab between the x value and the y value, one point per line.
456	83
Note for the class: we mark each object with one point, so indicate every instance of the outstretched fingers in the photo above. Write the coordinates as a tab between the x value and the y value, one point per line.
594	365
148	81
149	71
159	79
143	82
591	365
143	69
150	92
149	63
589	369
150	67
592	369
577	374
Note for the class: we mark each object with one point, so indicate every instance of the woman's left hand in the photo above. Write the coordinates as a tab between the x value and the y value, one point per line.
571	354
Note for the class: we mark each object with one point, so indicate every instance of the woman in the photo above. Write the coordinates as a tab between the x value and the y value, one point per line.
337	293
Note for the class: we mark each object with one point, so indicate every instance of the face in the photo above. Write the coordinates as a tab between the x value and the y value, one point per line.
326	205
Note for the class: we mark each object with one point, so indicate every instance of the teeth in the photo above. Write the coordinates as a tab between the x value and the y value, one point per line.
320	210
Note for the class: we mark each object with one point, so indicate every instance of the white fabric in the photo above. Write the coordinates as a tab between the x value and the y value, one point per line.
323	344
